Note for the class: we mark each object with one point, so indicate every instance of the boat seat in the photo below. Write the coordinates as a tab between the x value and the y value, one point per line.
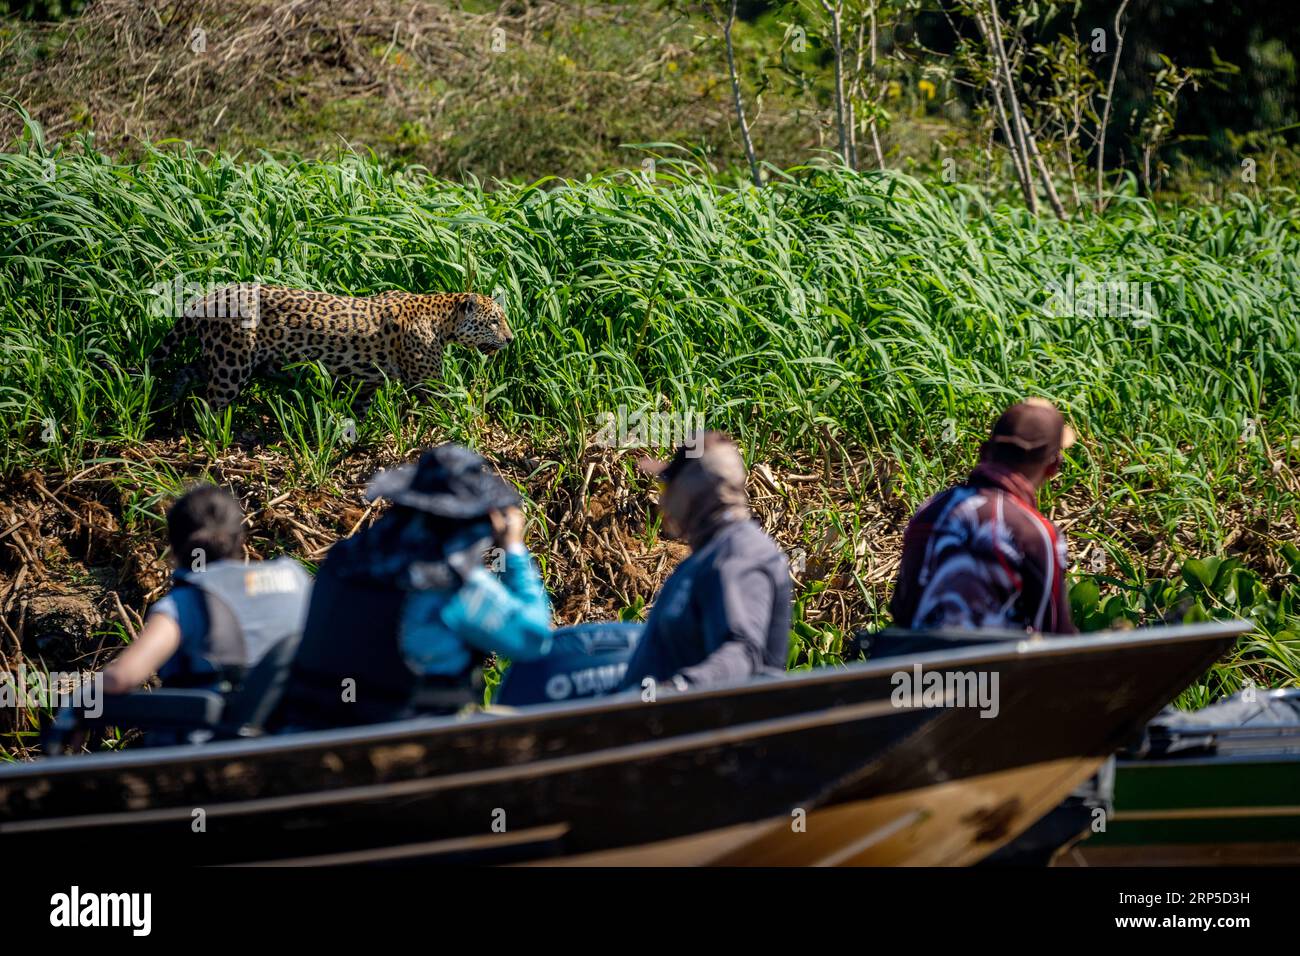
250	705
896	641
177	709
167	716
185	715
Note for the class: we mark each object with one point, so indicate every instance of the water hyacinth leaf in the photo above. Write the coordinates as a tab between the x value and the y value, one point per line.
1085	596
1200	573
1117	607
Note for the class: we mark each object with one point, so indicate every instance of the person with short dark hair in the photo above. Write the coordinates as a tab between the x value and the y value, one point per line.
981	555
405	613
223	614
724	613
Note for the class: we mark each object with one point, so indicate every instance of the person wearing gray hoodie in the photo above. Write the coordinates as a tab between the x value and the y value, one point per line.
724	613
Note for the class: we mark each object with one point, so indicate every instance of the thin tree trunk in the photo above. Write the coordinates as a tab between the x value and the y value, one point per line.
740	102
1074	182
854	79
875	131
1043	173
851	124
1015	141
1020	162
1105	113
1026	135
855	85
875	144
852	93
1005	81
837	42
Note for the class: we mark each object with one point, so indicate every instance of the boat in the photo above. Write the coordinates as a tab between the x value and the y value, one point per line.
902	760
1225	795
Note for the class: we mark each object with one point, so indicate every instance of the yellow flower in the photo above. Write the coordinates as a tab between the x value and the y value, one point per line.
927	88
565	62
672	66
894	90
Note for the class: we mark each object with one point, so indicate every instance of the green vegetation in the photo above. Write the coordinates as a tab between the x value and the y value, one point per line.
521	90
863	309
857	330
861	327
512	91
1207	588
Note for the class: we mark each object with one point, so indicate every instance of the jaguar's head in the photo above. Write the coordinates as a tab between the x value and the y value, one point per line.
479	322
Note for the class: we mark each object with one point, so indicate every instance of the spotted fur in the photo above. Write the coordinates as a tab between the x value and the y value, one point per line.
242	329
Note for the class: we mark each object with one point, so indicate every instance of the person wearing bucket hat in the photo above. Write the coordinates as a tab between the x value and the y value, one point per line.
724	613
981	554
405	613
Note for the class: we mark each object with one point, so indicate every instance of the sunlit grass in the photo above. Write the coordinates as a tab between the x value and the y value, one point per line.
832	315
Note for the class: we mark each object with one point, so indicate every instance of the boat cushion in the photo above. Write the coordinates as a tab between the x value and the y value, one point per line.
166	709
586	660
1221	725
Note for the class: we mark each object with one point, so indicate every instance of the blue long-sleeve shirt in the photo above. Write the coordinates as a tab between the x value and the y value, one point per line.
509	616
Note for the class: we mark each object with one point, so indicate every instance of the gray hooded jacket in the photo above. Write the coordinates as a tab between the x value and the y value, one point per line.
724	613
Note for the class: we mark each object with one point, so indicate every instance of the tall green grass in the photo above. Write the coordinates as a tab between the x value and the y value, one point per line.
868	312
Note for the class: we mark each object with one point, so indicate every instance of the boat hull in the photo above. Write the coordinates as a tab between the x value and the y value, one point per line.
823	768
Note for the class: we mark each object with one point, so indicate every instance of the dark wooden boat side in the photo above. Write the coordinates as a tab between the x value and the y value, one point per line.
710	776
997	777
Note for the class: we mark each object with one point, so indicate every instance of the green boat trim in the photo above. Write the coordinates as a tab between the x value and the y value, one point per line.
1239	805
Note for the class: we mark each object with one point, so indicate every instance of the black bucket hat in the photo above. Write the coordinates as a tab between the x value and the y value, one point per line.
449	481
